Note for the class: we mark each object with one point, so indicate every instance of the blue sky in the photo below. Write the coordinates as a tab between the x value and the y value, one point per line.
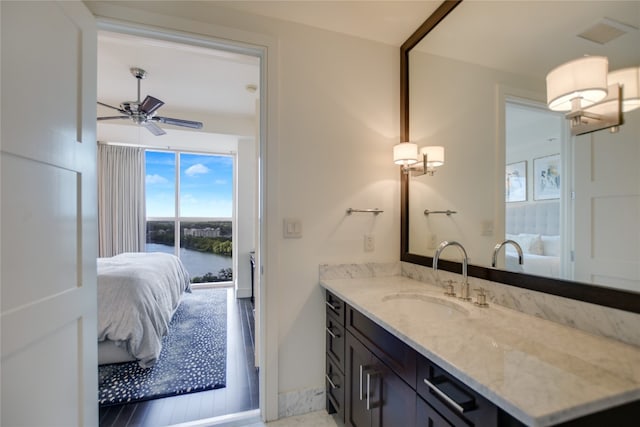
206	185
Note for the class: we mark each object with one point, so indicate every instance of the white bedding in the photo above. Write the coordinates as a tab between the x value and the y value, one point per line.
539	265
137	295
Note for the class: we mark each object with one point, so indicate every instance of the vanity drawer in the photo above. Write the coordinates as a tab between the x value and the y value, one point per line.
389	349
335	307
460	405
335	341
334	379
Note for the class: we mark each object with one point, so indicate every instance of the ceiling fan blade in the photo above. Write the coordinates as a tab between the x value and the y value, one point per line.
150	104
153	128
112	117
178	122
112	107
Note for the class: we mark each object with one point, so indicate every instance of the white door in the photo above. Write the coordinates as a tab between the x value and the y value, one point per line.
607	206
48	192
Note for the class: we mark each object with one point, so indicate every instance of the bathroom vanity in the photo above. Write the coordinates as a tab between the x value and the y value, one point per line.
400	353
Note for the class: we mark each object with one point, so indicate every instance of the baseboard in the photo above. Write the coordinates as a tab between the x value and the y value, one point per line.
301	402
231	420
243	293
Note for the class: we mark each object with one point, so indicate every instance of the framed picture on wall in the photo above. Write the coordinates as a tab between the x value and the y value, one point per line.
546	177
516	182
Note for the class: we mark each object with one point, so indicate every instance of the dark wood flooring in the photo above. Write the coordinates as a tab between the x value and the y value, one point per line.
240	394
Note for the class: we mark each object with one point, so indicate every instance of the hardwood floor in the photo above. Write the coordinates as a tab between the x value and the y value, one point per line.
240	394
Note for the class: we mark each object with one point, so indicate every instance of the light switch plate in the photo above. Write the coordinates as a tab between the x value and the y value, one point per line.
292	228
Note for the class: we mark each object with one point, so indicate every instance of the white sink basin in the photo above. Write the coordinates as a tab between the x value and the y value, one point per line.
424	305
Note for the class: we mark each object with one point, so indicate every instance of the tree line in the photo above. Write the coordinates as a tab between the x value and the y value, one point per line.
162	232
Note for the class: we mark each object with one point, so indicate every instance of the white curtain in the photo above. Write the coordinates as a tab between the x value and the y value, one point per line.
121	201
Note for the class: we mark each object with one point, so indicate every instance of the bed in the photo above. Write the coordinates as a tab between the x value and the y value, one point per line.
137	296
536	228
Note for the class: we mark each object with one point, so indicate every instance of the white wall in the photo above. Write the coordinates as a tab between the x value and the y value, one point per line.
455	104
337	120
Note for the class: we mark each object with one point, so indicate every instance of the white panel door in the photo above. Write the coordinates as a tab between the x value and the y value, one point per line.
607	206
48	224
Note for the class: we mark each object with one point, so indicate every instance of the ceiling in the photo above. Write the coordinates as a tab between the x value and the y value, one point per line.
533	37
215	82
190	80
195	82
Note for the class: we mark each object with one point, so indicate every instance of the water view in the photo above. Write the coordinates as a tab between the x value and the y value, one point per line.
197	263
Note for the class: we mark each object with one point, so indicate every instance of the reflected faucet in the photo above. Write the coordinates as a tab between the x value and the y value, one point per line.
464	287
494	259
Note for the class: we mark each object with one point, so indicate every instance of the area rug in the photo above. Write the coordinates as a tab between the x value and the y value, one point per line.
193	356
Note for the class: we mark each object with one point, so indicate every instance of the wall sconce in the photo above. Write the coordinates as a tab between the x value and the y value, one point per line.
424	162
629	79
593	97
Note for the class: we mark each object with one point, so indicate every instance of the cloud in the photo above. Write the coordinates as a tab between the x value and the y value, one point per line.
155	179
196	169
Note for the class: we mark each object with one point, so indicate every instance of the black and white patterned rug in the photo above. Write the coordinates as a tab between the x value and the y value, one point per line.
193	356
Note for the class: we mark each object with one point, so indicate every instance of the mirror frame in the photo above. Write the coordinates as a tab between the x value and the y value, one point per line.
595	294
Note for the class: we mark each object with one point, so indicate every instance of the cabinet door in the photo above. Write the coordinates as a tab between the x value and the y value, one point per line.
359	362
375	395
394	401
426	416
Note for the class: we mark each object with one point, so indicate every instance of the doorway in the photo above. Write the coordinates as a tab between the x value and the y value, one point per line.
244	145
536	189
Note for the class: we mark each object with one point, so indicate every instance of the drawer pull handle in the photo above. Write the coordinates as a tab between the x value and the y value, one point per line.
333	335
331	383
440	393
331	306
361	369
368	390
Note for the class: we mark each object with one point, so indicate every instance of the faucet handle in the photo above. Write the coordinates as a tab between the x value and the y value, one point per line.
481	300
448	289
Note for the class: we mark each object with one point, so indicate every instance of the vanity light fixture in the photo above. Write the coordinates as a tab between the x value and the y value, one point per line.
418	163
629	79
593	97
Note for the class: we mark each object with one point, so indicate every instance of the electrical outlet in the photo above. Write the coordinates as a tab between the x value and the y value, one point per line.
369	243
432	241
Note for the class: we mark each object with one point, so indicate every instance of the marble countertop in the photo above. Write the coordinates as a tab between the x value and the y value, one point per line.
540	372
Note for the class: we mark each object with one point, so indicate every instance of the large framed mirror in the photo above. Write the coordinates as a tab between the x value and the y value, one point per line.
473	81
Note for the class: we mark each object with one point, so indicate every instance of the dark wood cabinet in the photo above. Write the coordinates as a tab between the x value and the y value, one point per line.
456	402
375	395
335	353
375	379
426	416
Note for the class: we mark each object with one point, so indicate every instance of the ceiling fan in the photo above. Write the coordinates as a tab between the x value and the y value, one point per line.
143	112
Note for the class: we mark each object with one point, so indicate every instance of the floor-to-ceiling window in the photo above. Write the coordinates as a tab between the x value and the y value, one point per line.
189	210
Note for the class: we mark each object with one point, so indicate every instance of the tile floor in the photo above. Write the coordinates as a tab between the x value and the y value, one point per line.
313	419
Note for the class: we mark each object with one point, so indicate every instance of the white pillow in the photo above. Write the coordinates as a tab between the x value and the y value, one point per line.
551	245
530	243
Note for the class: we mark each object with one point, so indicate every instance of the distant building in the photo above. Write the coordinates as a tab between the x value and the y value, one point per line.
202	232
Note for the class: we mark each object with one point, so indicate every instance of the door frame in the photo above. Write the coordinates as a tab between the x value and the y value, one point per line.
265	48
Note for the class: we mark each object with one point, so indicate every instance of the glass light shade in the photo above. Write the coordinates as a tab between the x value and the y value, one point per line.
405	153
583	80
435	155
629	79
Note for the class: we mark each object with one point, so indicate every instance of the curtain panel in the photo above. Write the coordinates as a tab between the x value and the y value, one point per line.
121	199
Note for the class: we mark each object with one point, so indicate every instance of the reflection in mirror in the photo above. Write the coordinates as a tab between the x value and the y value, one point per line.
513	171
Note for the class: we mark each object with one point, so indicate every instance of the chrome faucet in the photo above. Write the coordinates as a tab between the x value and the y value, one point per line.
464	287
494	259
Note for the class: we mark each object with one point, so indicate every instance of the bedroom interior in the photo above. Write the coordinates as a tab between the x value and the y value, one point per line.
191	337
333	102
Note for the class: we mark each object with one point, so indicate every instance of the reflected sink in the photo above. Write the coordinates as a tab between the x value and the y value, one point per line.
424	305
